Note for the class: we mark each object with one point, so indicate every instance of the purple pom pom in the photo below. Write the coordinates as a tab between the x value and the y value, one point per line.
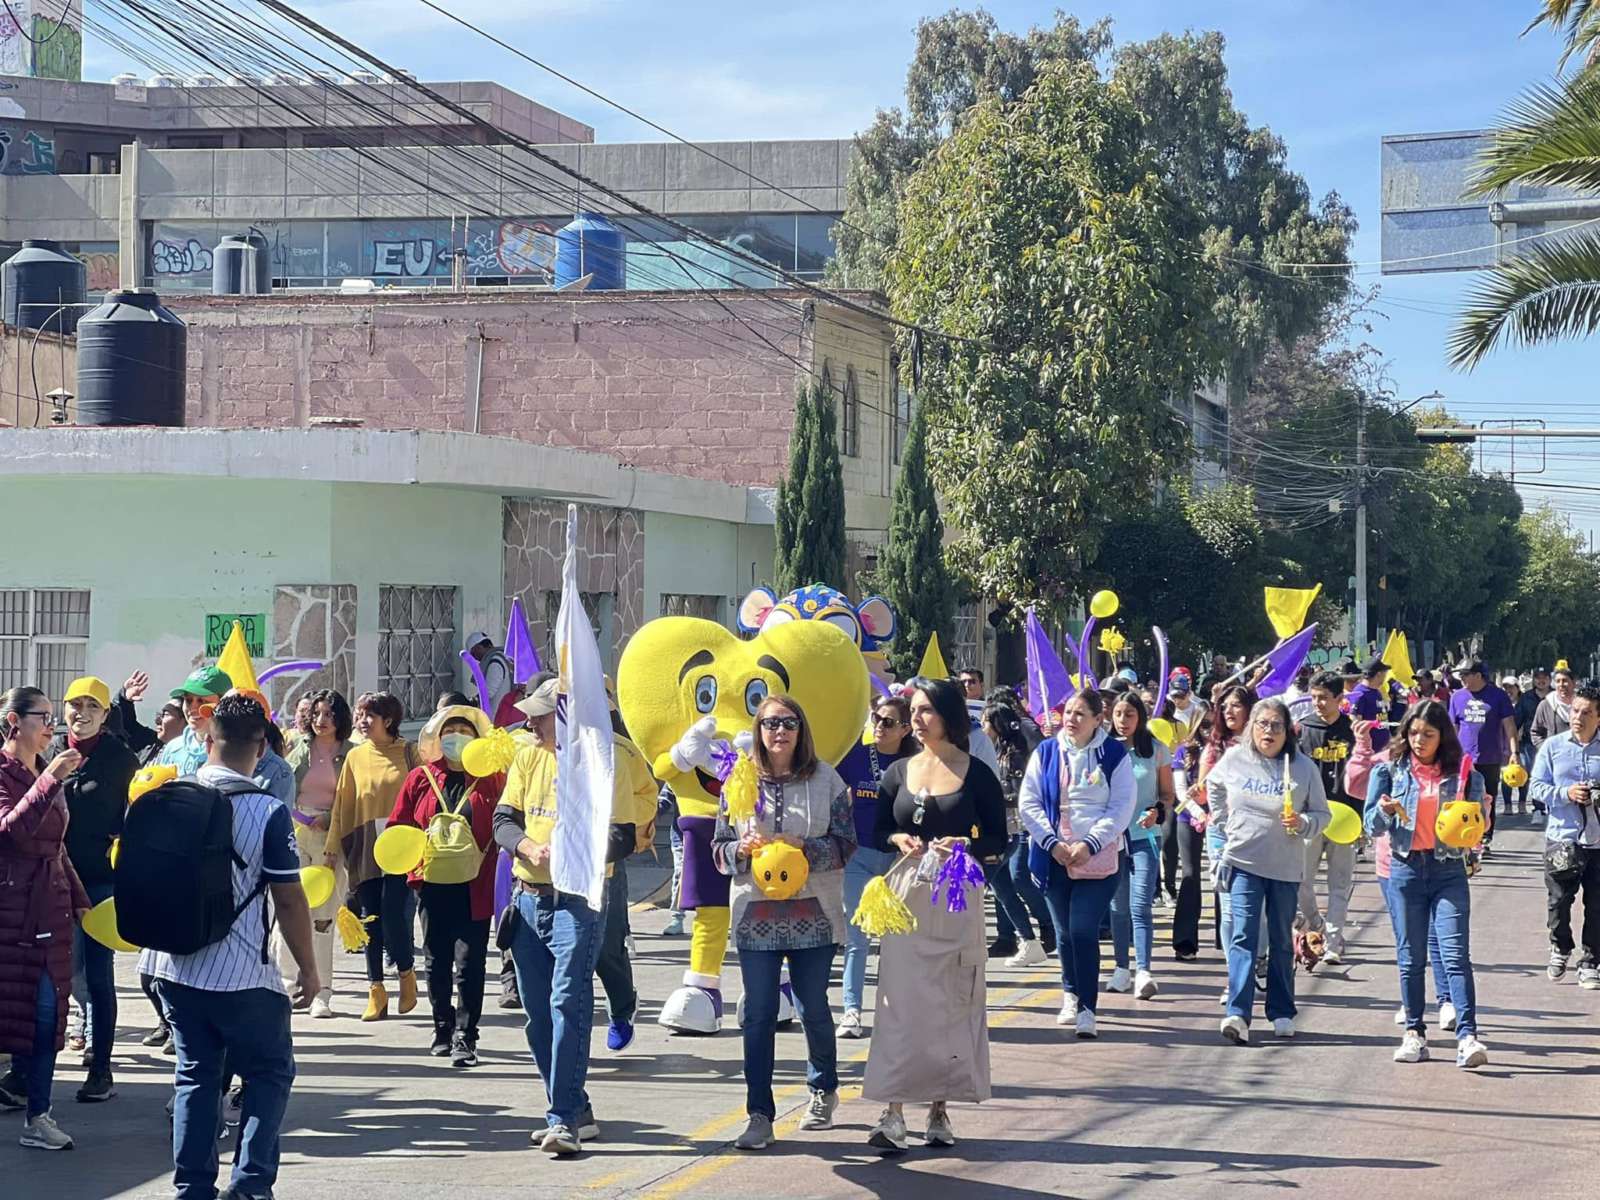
723	756
960	871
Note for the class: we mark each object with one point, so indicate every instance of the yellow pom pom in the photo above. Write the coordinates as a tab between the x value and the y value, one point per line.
881	912
740	789
352	929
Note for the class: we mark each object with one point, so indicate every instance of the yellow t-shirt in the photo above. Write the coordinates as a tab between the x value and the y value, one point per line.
531	790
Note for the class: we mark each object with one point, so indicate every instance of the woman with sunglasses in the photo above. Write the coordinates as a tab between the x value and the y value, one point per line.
801	801
37	910
1267	800
862	769
930	1034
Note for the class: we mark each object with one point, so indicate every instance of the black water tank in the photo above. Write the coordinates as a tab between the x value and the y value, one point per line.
131	362
37	280
241	265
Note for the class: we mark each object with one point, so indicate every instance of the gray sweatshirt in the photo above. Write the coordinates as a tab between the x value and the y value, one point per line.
1246	794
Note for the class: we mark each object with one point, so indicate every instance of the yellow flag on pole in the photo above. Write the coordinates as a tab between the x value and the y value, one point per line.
234	661
1397	657
933	661
1287	608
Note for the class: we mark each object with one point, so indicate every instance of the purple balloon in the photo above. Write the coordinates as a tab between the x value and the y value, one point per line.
1161	686
285	668
476	668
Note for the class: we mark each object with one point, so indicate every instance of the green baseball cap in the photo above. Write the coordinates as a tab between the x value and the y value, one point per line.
206	681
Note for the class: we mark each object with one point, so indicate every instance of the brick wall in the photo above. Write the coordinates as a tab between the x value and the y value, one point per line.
668	383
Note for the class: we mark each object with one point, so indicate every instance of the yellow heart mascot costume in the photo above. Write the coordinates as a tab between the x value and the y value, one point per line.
688	690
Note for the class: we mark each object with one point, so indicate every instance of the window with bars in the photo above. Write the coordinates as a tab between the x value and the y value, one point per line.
44	638
902	415
688	604
597	606
417	644
850	424
967	646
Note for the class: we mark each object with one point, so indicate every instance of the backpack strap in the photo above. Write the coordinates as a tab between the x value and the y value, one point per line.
444	805
269	918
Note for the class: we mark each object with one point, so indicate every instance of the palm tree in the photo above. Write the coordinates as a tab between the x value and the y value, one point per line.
1551	137
1578	21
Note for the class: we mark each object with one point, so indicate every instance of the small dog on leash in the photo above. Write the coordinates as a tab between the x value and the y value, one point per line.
1310	946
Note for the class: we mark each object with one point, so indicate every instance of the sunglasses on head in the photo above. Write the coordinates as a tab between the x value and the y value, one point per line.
773	724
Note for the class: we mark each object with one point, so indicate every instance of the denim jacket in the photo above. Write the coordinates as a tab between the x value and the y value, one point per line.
1561	762
1395	780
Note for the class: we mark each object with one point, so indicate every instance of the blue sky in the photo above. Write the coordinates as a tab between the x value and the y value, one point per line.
1331	79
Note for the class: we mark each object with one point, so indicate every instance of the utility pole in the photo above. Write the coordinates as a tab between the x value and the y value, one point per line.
1359	634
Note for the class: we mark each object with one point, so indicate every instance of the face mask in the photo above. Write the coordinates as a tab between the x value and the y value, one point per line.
454	744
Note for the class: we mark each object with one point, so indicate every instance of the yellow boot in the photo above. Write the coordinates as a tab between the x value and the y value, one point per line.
377	1003
408	991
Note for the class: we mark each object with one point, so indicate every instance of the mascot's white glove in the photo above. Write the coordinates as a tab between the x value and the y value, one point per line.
744	741
694	747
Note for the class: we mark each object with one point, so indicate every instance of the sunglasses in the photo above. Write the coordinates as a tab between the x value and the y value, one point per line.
45	713
773	724
881	721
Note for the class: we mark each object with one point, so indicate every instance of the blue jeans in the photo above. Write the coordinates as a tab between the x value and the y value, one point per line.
864	865
98	964
1249	896
217	1035
808	976
1078	906
555	948
613	965
1430	897
1132	918
1441	984
38	1069
1016	896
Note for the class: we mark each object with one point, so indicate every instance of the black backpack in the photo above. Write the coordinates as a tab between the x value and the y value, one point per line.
174	873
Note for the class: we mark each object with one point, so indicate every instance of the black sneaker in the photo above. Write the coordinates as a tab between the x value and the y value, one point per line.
156	1036
441	1043
462	1052
99	1086
1002	948
13	1091
1047	939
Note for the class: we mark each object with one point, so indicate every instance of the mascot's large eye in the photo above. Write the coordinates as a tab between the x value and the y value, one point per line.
779	616
847	622
754	693
705	693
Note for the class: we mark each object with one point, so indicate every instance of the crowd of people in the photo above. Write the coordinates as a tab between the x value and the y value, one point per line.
1080	820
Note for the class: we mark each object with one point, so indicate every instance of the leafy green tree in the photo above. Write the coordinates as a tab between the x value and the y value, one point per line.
809	525
1555	610
1040	237
1578	23
911	573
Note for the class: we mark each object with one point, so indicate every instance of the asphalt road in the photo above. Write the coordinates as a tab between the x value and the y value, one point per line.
1159	1105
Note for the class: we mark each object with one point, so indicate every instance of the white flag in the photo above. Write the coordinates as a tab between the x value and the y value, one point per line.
584	769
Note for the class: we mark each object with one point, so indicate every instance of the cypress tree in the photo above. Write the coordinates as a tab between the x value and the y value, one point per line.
810	513
911	573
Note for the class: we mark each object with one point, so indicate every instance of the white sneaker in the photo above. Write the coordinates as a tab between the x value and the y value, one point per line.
850	1025
1447	1017
322	1006
1069	1009
1029	954
1236	1031
1283	1027
1121	981
1086	1024
819	1112
889	1134
1470	1052
939	1131
42	1133
1144	985
1412	1048
1400	1016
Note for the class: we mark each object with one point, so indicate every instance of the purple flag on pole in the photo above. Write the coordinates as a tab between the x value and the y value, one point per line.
524	655
1049	685
1285	661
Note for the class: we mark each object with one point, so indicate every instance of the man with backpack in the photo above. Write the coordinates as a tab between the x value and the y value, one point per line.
206	865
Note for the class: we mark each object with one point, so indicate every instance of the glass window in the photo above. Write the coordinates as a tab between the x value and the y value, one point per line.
813	241
180	255
902	412
44	638
342	250
405	249
850	426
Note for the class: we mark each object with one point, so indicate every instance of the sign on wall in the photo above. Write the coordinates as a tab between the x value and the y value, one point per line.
220	625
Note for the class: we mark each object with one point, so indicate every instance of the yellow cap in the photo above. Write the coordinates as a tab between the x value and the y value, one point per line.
88	685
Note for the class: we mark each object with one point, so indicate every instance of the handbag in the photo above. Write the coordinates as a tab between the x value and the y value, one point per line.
1563	861
1101	864
908	879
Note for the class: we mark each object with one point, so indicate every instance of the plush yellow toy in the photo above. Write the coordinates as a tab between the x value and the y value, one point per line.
1515	775
1460	824
688	688
148	779
780	870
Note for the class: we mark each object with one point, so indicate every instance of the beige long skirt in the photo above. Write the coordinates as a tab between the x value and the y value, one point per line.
930	1030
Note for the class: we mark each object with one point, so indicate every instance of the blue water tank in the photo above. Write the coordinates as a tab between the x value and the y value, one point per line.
38	280
592	245
132	359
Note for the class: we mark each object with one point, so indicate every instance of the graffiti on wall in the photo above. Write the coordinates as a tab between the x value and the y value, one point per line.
513	248
58	52
179	258
27	152
410	258
103	265
14	47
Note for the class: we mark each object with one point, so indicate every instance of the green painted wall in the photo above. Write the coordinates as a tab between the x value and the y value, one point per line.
686	555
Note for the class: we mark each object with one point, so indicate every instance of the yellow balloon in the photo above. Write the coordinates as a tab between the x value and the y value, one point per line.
100	923
398	849
1344	826
1460	824
1515	775
1104	604
116	851
479	758
318	883
1164	731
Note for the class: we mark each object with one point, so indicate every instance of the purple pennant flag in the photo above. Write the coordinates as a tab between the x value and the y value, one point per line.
524	655
1285	662
1049	685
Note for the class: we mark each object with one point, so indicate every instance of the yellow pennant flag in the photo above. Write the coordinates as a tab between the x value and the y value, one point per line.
933	662
1287	608
234	661
1397	657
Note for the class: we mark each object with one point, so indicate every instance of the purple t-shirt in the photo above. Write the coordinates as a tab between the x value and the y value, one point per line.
861	770
1478	717
1369	704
